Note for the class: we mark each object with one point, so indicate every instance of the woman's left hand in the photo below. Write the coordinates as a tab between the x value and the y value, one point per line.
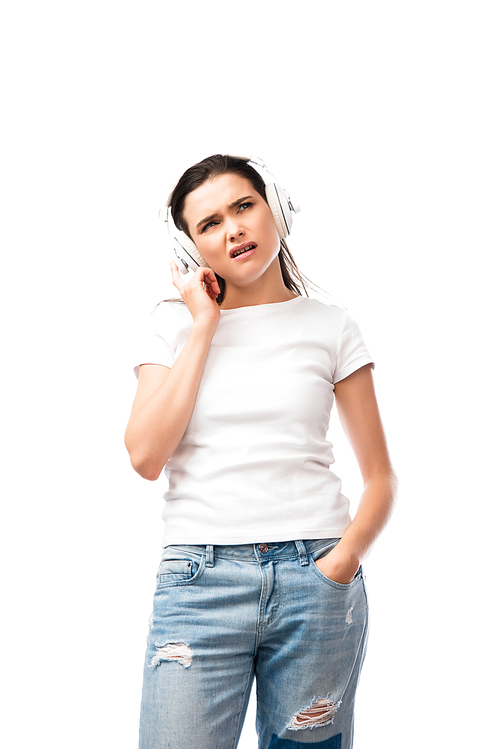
338	566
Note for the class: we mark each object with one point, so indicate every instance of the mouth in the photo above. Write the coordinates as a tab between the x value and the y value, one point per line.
242	249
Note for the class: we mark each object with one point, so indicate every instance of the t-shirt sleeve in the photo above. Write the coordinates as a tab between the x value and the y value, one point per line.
156	341
352	351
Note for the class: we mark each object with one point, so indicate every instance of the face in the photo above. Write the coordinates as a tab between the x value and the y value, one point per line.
233	228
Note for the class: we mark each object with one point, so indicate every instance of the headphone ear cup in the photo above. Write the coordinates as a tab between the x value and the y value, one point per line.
191	251
278	203
185	249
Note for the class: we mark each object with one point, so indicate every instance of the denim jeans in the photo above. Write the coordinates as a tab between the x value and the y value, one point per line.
224	615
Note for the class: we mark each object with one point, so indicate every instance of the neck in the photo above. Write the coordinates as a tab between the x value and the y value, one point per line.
268	289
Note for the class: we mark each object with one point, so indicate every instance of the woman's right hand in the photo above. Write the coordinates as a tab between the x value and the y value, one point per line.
200	294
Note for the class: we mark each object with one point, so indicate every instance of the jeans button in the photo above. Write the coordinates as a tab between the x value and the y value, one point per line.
263	548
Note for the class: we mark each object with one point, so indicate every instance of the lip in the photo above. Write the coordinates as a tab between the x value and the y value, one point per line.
242	247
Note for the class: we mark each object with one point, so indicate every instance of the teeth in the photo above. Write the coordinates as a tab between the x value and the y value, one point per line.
240	252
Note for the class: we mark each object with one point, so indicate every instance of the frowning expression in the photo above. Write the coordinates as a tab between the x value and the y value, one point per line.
232	227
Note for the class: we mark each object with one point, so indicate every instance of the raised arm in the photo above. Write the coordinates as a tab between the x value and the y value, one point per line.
360	419
165	397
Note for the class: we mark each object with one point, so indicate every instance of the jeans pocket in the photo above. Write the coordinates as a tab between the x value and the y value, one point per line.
333	583
179	567
322	552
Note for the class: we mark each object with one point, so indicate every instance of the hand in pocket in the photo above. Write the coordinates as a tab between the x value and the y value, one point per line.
337	566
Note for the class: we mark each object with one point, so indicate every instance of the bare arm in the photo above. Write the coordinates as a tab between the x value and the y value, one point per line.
166	397
360	419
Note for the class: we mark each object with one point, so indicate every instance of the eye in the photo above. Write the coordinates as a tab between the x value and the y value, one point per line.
209	225
244	206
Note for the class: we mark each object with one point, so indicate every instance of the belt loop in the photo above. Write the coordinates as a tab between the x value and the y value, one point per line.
304	559
210	555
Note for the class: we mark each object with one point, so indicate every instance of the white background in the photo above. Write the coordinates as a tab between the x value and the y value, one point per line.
382	120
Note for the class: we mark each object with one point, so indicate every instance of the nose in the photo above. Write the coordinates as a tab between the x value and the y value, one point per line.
234	230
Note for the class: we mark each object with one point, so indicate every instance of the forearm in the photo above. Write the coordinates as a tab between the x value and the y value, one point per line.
374	510
358	411
158	425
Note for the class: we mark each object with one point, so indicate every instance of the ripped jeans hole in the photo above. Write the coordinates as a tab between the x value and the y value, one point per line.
173	651
319	713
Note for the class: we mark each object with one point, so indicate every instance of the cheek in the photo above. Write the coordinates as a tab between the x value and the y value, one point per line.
270	226
206	244
211	251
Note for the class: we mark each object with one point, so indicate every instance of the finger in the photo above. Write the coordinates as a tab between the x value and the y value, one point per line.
214	289
204	274
207	279
211	280
212	293
176	279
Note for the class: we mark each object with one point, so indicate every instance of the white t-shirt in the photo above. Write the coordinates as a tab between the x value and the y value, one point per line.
254	462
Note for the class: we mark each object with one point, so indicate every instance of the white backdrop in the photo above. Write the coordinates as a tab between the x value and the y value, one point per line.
382	119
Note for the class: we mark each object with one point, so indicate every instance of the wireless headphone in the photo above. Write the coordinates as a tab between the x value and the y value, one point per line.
278	200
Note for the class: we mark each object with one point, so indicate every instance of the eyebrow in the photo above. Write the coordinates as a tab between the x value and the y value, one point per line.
213	215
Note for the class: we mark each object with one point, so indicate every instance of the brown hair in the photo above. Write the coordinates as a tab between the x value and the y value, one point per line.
216	166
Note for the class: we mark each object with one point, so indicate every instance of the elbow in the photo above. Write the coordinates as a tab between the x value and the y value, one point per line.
391	480
144	464
392	489
147	469
150	475
393	483
385	478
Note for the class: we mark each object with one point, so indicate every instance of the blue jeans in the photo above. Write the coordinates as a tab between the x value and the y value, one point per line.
224	615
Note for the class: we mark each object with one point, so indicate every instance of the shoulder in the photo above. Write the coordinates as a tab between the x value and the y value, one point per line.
330	313
160	334
170	308
168	314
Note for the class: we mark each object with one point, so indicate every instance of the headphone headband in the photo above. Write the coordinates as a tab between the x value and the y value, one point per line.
282	207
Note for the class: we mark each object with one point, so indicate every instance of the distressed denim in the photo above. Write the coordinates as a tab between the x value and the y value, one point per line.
224	615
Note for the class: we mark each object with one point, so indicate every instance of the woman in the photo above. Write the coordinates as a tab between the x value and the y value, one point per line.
261	569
